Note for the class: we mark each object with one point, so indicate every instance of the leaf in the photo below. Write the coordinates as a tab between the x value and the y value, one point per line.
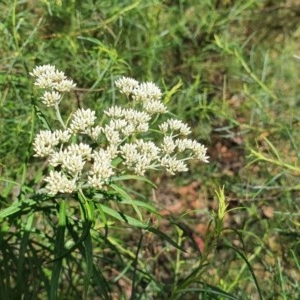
59	248
133	177
165	237
42	118
84	235
172	91
62	214
136	223
88	247
126	196
22	254
142	204
250	269
123	217
17	207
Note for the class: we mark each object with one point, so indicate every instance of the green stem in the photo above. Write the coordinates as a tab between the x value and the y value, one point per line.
178	252
86	208
13	20
59	118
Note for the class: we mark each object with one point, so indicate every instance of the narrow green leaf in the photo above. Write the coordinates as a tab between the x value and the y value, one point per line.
165	237
100	281
209	291
22	252
17	207
169	94
133	177
127	197
88	247
78	242
44	123
142	204
123	217
87	207
250	269
62	213
58	250
136	223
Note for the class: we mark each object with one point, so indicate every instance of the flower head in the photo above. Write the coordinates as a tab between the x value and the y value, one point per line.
173	165
198	150
154	107
101	169
147	91
44	143
126	85
51	98
82	121
86	154
175	125
139	156
53	81
57	182
41	70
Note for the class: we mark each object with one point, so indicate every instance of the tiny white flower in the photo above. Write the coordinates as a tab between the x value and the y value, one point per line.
148	149
54	81
44	143
59	183
142	127
142	165
115	112
200	153
73	163
82	120
101	169
199	150
112	136
136	117
175	125
56	158
39	70
112	150
126	85
154	107
81	149
130	129
63	135
51	98
139	156
147	91
57	76
173	165
95	132
117	124
101	157
64	85
168	145
44	82
95	181
72	158
129	153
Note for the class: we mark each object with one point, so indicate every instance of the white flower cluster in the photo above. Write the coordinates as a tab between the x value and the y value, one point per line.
147	93
53	82
123	143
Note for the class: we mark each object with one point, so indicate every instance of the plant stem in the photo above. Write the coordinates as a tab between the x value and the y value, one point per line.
59	118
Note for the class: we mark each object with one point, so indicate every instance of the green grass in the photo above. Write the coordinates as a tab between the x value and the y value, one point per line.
233	77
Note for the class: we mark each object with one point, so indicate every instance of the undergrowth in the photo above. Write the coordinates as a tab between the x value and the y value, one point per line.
227	68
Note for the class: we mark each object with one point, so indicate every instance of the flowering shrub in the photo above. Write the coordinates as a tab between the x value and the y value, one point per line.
83	154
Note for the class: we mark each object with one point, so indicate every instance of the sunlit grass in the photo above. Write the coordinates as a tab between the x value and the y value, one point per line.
235	80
